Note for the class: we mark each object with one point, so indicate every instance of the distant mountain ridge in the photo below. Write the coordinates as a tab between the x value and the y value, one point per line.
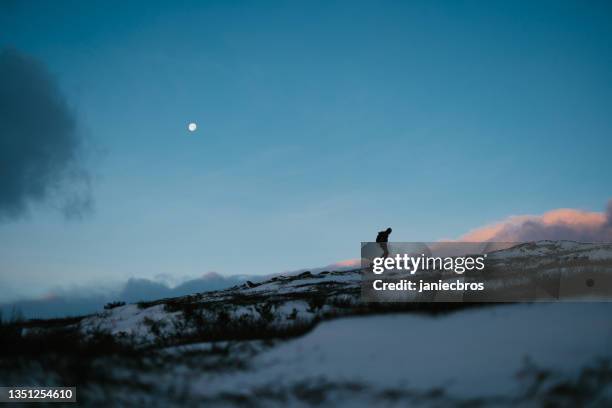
80	302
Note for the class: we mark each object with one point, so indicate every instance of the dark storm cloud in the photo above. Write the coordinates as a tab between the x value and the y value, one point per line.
40	145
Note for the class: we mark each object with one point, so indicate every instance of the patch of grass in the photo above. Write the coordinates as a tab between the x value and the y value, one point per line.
316	301
63	355
155	326
112	305
293	315
141	304
266	311
591	386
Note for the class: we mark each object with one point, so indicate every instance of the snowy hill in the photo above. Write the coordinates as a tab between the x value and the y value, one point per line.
280	342
287	305
566	250
274	307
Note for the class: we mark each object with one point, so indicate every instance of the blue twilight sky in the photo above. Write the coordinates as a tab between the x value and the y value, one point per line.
320	123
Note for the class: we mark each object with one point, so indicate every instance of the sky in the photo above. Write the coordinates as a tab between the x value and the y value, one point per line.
319	124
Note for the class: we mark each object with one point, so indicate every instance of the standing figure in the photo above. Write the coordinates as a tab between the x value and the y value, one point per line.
382	238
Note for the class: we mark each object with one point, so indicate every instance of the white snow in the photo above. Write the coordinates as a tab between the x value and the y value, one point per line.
129	320
470	353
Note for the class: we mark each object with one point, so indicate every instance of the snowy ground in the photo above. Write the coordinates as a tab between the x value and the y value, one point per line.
302	299
470	353
468	357
320	346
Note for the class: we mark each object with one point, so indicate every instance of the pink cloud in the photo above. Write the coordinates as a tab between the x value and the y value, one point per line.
347	263
563	223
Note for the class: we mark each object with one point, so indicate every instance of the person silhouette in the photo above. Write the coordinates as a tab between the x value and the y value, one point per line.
383	238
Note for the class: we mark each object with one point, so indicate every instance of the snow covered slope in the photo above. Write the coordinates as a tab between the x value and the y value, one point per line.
566	250
554	354
289	305
278	306
282	343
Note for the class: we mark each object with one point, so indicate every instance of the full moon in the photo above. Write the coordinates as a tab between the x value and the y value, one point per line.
192	127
